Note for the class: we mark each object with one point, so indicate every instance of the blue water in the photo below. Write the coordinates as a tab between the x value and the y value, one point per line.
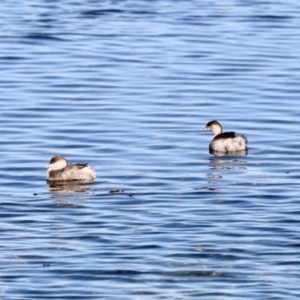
127	86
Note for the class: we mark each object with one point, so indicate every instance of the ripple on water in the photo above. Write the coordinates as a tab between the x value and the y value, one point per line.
127	88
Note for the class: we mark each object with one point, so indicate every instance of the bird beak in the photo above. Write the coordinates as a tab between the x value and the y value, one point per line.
46	167
205	128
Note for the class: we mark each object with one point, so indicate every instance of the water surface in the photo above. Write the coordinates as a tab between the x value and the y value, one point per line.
127	86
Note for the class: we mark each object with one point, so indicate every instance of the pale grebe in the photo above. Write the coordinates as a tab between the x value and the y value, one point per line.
59	170
225	142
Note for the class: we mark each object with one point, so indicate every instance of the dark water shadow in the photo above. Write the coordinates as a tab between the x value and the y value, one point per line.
233	153
232	160
68	186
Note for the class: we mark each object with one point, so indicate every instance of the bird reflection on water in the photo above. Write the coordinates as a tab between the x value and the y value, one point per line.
68	186
229	154
69	193
228	161
223	169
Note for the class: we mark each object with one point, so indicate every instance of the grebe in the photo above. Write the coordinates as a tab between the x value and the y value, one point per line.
225	142
59	170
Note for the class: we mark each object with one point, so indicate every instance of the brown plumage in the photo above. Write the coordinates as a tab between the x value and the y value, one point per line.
60	170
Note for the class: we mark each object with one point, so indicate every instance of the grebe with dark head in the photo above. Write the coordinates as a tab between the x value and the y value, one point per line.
225	141
60	170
